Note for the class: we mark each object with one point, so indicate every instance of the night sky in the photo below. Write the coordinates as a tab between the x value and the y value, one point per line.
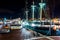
57	9
14	9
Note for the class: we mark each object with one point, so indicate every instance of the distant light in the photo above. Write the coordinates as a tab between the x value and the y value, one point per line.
25	23
5	20
42	4
33	25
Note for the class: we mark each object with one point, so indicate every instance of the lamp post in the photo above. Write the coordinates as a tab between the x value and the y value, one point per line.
41	8
33	8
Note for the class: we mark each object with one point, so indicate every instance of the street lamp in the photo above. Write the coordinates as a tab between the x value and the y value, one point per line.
41	8
33	8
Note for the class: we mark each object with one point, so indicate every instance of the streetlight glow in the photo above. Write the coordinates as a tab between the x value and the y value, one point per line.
5	20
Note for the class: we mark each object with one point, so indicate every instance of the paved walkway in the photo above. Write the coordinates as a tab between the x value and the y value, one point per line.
22	35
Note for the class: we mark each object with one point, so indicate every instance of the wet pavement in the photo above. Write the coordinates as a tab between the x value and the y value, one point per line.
45	32
26	34
23	34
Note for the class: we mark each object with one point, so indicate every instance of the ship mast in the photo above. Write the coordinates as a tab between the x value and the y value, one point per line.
26	10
